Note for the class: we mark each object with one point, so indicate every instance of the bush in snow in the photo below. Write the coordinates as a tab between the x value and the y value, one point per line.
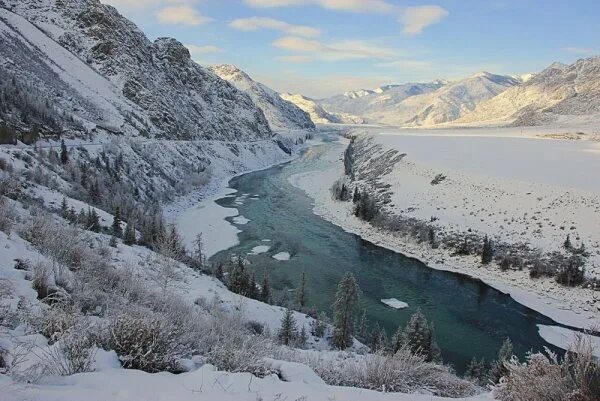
402	372
6	215
543	376
146	340
73	353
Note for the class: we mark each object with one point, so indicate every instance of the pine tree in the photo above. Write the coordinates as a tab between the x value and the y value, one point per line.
302	291
318	325
567	244
398	340
362	326
265	290
238	278
113	241
302	338
129	235
488	251
72	215
419	337
252	289
476	371
117	231
64	155
93	221
344	311
378	339
498	368
219	271
288	330
64	207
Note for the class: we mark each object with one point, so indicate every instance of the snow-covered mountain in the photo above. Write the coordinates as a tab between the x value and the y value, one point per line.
280	113
456	99
558	93
317	113
87	68
423	104
373	103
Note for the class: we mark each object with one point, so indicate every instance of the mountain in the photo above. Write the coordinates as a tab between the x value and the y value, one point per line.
558	93
456	99
317	113
85	68
280	114
376	102
422	104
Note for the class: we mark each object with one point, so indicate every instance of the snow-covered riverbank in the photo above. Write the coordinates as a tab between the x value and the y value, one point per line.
564	305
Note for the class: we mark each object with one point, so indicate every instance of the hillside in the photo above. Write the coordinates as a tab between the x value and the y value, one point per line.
89	69
558	93
422	104
317	113
280	113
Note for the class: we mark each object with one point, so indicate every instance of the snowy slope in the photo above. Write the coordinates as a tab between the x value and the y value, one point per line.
559	93
280	113
98	68
317	113
372	104
422	104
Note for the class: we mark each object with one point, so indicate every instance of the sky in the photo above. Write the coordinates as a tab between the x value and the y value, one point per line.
320	48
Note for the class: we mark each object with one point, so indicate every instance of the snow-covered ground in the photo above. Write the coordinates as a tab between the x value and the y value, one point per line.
204	384
487	188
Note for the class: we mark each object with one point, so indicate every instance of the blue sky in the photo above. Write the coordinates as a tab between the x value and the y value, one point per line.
324	47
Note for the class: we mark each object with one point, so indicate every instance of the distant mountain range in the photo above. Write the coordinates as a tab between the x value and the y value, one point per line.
560	93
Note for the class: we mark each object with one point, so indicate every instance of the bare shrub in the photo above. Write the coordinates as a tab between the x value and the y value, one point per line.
7	215
402	372
74	353
543	376
241	352
57	321
145	340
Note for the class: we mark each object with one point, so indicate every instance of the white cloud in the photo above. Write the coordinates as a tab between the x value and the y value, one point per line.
294	58
371	6
415	19
257	23
580	50
335	51
181	15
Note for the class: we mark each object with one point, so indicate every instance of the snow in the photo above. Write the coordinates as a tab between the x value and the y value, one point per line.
257	250
565	338
240	220
465	192
394	303
281	256
206	384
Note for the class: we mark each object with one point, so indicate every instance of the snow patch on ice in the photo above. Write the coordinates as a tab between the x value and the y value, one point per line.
394	303
282	256
257	250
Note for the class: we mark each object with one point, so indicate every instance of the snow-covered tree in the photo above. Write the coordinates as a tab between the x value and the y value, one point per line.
419	337
344	311
498	368
288	331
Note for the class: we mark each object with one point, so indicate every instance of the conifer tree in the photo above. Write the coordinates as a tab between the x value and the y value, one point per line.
488	251
265	290
64	207
398	340
93	223
238	278
64	155
318	325
476	371
302	291
362	326
419	337
219	271
252	289
498	368
117	231
288	330
344	311
378	338
567	244
129	235
302	338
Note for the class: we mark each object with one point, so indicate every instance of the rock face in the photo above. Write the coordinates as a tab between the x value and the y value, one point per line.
560	92
280	113
91	69
421	104
317	113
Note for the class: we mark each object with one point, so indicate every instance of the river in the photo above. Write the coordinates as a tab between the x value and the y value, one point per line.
471	319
